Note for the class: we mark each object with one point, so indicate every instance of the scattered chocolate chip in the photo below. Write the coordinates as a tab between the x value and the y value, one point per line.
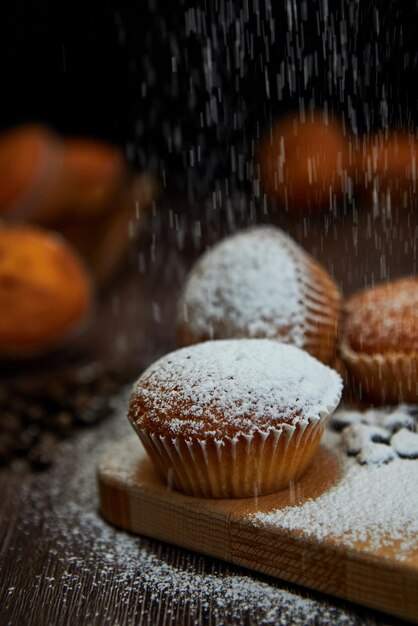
35	413
358	436
399	418
341	419
4	397
6	453
95	411
41	456
16	404
10	423
31	408
375	454
63	423
405	444
89	374
26	439
412	409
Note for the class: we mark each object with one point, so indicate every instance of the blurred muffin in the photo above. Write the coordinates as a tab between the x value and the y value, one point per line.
91	177
113	231
233	418
387	163
303	163
45	292
380	341
30	159
260	283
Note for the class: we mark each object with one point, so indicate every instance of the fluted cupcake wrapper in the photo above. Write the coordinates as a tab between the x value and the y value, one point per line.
384	378
242	466
322	310
314	326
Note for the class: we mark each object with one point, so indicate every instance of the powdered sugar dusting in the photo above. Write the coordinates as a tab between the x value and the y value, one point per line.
374	503
128	572
246	384
385	317
248	285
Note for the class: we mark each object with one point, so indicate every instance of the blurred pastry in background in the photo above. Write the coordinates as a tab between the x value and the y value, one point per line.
386	167
307	166
379	344
304	164
260	284
30	161
103	240
81	188
46	294
91	176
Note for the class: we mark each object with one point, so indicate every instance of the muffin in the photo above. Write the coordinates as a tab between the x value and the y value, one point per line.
260	284
30	158
233	418
387	162
45	292
380	341
303	164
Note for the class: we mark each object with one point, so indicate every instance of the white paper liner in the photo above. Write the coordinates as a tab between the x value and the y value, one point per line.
246	465
385	378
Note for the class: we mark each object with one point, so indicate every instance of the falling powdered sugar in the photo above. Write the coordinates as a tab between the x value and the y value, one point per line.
126	573
377	504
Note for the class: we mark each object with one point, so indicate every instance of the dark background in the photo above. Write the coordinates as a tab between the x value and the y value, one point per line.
188	87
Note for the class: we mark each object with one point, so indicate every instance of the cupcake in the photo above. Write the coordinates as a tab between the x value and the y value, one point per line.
380	341
260	284
233	418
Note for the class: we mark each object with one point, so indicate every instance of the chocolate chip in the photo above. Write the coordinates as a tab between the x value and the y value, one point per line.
63	423
343	418
31	408
95	411
35	413
88	374
4	396
17	405
405	444
26	440
398	419
109	384
6	453
413	410
375	454
10	423
357	436
42	455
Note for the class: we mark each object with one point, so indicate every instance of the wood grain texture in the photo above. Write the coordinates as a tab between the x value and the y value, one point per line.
133	497
134	326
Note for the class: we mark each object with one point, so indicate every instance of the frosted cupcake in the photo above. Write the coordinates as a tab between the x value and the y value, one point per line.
260	284
380	341
233	418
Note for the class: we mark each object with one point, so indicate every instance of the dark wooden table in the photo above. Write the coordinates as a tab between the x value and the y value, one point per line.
59	562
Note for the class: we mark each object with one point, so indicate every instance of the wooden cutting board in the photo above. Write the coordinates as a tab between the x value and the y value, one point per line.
133	497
